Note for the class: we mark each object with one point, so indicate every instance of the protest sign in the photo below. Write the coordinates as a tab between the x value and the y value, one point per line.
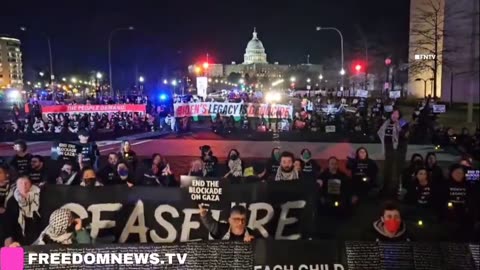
330	129
64	151
202	190
362	93
147	214
439	108
233	109
394	94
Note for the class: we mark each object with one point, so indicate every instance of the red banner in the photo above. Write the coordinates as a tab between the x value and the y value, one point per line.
93	108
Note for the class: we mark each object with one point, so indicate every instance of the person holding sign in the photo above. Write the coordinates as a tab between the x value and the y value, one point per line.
235	230
209	161
88	150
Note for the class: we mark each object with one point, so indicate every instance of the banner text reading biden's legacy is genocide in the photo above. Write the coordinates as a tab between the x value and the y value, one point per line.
233	109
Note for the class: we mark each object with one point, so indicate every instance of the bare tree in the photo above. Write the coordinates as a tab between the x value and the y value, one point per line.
428	35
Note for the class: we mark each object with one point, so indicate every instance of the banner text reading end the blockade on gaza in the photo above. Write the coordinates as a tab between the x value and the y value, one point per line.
233	109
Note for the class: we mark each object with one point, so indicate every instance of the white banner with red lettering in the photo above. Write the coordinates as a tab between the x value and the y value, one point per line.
75	109
233	109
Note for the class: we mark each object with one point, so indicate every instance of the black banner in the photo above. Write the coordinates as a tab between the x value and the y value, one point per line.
161	215
275	255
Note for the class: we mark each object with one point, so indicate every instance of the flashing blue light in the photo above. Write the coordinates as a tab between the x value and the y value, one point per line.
163	97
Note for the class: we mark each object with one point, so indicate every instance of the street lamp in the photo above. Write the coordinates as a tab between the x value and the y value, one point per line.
320	77
73	80
292	79
165	81
64	79
23	28
141	79
319	28
130	28
41	74
241	81
174	82
309	80
99	75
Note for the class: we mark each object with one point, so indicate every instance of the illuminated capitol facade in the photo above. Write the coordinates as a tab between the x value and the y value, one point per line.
255	63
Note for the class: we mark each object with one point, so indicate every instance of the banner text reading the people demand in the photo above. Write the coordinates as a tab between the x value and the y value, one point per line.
233	109
162	215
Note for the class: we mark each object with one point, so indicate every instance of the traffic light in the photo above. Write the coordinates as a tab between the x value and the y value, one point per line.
358	67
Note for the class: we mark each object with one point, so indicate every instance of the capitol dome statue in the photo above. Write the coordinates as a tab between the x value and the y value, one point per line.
255	52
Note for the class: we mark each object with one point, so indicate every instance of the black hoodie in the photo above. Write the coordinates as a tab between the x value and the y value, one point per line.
381	236
457	199
434	171
311	169
408	173
210	161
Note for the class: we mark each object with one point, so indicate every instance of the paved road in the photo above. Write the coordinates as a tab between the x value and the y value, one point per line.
189	146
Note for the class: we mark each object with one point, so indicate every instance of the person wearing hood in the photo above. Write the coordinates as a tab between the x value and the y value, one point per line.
210	161
235	230
457	196
109	174
286	170
335	187
390	227
89	178
311	169
63	229
408	174
434	171
364	172
234	166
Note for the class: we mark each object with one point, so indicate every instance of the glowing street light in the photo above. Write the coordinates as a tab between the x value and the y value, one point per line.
141	79
197	70
174	82
241	81
309	80
165	81
205	65
41	73
99	75
64	79
80	81
342	72
292	79
28	83
73	80
320	77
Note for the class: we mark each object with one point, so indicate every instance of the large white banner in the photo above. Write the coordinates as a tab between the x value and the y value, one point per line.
233	109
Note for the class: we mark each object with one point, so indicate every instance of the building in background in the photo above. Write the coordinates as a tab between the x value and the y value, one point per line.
444	37
11	68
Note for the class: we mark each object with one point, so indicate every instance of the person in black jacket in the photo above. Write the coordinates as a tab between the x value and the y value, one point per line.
126	176
458	204
434	171
390	227
235	230
210	161
87	150
159	174
408	174
335	187
6	193
108	173
364	172
68	175
422	193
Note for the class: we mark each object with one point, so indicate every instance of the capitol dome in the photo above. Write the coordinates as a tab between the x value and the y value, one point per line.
255	52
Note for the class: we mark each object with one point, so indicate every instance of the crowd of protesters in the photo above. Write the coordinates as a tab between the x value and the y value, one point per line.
446	196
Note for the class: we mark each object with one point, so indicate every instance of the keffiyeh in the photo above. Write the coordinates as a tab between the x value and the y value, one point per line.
28	206
286	176
235	167
57	229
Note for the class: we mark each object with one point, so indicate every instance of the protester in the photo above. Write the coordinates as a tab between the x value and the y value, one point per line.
311	169
434	171
68	175
27	201
63	229
235	230
298	166
89	178
286	171
209	161
126	176
159	174
393	135
364	172
108	173
128	155
21	161
390	227
234	166
255	173
408	174
88	150
422	193
274	161
335	187
37	173
6	192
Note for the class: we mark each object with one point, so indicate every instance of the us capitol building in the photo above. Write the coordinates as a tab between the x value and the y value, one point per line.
254	64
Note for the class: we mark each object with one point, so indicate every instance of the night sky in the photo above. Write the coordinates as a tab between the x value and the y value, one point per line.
171	34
